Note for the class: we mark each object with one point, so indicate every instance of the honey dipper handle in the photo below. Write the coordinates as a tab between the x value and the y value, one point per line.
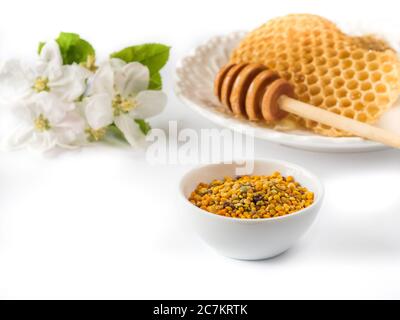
339	122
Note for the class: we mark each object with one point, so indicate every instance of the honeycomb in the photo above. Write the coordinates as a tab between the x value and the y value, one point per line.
357	77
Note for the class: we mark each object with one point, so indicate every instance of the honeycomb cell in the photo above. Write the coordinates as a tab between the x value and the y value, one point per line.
373	66
295	49
352	85
369	97
371	56
355	76
376	76
317	101
302	88
384	59
286	75
373	110
382	99
312	79
380	88
328	91
307	59
331	52
341	93
333	63
366	86
330	102
336	72
299	78
271	55
318	52
391	80
357	55
283	56
307	51
346	64
362	117
282	66
309	69
338	83
320	61
315	90
344	55
355	95
349	114
358	106
363	75
306	42
322	71
349	74
387	68
305	97
345	103
360	65
281	47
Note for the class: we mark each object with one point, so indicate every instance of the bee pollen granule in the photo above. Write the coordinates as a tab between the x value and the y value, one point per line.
252	197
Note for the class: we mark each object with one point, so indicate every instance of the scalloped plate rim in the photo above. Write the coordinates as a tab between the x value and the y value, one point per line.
309	142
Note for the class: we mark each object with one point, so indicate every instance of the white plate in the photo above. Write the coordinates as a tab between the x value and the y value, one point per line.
194	86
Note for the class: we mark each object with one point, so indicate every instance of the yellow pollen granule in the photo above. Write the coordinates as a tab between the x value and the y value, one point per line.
41	84
90	63
42	124
122	105
252	197
95	135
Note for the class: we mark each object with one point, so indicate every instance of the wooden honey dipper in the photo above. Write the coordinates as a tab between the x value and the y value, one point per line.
253	91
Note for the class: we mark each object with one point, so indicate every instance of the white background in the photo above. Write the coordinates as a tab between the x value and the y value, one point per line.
102	223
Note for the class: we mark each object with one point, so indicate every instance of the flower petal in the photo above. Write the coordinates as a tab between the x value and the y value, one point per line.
103	80
43	141
130	129
70	132
51	106
16	80
70	84
98	110
150	103
117	64
73	121
50	57
131	79
20	138
24	111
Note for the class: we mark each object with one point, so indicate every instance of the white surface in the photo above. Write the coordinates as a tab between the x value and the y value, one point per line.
247	239
101	223
195	76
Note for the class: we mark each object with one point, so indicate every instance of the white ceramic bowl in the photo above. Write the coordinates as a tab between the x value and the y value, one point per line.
248	239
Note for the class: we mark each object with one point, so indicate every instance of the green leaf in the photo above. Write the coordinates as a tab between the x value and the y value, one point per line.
40	46
155	82
72	47
113	129
153	55
143	125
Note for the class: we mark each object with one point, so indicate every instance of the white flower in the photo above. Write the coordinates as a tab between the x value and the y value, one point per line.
68	82
46	122
118	94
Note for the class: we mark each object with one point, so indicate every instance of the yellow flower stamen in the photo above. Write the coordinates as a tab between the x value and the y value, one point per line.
90	63
42	124
122	105
41	84
95	135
